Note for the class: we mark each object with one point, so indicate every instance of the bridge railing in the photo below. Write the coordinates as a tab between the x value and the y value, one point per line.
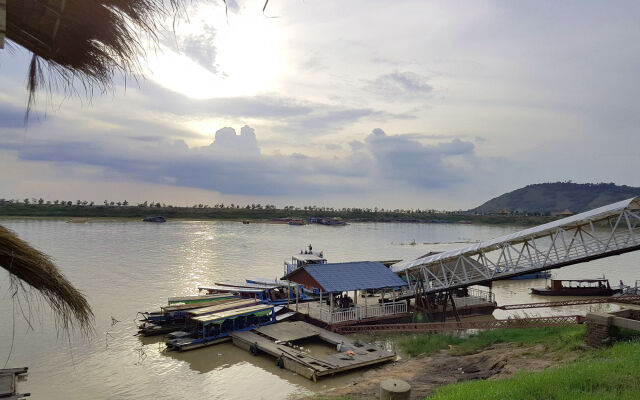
362	312
615	230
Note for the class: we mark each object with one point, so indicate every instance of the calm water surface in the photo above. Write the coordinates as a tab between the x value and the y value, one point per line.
126	267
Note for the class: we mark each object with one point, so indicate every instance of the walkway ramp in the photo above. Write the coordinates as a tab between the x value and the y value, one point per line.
606	231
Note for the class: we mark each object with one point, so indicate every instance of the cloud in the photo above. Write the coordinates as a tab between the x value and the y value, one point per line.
228	144
405	85
200	47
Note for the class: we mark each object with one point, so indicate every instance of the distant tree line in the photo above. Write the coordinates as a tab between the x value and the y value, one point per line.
252	206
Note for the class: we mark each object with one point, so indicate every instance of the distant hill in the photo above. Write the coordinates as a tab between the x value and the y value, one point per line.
557	197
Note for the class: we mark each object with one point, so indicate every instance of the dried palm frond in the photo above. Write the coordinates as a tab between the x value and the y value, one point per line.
84	40
31	267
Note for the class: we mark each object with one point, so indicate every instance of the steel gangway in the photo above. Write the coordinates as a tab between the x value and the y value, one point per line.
602	232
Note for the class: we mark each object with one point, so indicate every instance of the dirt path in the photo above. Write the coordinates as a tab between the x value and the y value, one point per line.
425	374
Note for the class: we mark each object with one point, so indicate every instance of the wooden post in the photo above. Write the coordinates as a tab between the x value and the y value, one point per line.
365	304
455	310
288	294
297	295
330	307
444	309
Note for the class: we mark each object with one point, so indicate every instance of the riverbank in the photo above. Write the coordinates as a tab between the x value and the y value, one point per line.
540	363
260	214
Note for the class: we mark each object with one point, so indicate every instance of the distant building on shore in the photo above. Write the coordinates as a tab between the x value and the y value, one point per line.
565	213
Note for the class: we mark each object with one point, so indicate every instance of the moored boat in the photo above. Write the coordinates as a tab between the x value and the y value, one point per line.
173	317
198	298
210	329
265	293
577	287
156	218
305	257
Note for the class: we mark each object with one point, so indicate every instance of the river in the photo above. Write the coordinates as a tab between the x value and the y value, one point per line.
128	266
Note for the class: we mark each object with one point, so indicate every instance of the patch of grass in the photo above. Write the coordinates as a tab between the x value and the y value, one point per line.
560	338
613	373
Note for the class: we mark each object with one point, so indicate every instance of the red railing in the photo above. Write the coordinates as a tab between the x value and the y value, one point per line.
618	299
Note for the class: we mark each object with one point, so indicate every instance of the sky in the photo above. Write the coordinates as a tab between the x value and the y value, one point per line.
407	104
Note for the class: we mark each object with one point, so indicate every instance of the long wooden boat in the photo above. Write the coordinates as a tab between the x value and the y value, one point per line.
251	285
174	318
577	287
197	298
267	294
210	329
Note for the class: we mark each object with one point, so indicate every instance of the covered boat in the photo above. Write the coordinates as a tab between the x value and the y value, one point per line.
172	318
577	287
210	329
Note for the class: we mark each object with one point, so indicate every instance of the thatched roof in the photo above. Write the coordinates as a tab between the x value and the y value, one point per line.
30	268
87	40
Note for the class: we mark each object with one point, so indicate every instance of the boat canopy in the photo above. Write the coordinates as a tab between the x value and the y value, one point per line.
201	304
221	307
573	221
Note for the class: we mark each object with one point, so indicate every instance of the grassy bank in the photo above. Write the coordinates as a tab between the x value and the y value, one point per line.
561	338
612	373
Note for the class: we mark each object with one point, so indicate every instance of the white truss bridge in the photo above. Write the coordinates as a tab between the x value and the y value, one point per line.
606	231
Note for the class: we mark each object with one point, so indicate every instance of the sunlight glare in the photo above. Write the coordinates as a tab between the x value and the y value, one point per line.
248	58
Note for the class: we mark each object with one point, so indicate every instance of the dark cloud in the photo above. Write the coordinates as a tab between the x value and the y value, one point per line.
333	146
12	117
398	157
233	163
290	114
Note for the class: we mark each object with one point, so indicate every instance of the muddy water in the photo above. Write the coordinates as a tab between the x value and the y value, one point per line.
129	266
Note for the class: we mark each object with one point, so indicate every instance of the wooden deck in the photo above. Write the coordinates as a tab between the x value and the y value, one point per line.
275	339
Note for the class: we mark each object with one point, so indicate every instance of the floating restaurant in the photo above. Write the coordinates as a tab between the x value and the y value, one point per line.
334	281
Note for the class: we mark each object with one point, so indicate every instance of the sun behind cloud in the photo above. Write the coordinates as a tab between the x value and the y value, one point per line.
213	57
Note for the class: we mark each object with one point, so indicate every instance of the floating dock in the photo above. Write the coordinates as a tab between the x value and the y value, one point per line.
277	340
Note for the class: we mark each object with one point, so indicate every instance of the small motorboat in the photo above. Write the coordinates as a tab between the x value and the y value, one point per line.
577	287
156	218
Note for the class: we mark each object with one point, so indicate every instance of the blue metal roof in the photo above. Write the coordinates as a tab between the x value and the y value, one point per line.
342	277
